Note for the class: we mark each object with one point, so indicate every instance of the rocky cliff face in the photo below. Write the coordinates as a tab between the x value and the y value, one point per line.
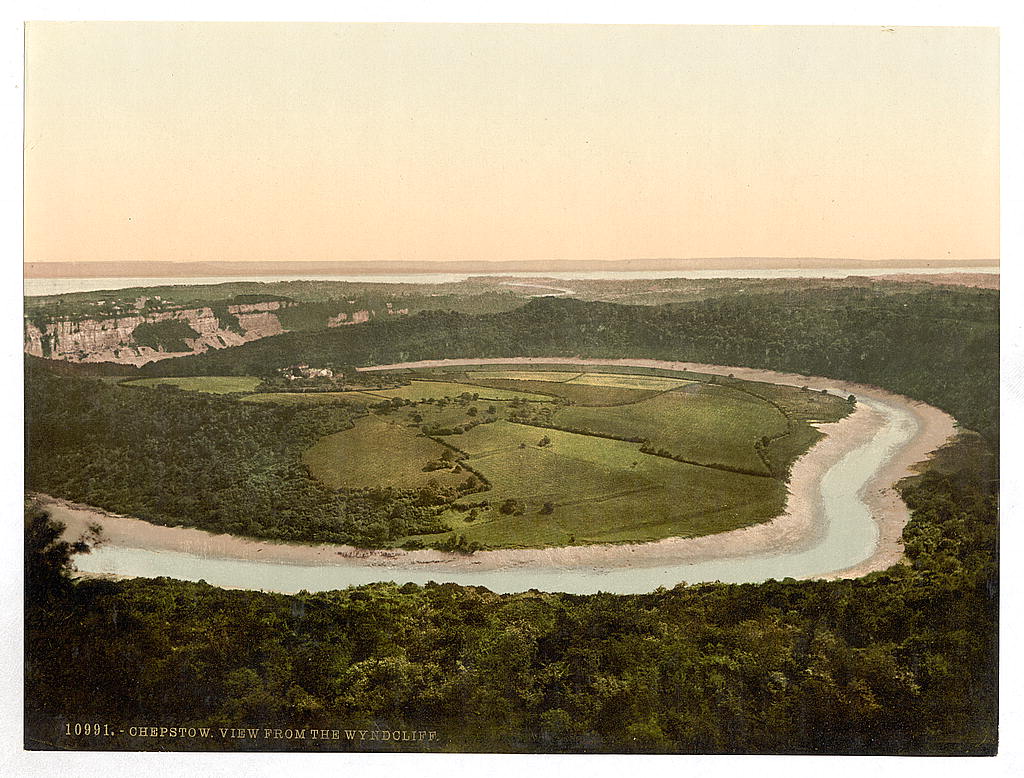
110	340
358	317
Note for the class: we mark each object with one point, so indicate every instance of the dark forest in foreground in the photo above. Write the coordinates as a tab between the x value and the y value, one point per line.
899	662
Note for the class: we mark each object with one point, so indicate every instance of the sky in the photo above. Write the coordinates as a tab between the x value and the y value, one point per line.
263	142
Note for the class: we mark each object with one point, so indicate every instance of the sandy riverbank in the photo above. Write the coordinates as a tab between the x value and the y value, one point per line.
795	529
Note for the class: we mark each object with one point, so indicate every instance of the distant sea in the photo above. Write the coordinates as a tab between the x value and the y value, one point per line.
44	286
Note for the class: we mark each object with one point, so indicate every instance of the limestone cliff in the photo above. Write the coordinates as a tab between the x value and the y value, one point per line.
111	340
343	318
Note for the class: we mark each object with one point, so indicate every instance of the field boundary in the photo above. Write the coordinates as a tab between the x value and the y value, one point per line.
548	393
643	450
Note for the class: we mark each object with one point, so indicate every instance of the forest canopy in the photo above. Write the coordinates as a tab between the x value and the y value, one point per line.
940	346
176	457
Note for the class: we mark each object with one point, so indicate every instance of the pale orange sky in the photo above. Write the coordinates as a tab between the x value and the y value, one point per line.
503	142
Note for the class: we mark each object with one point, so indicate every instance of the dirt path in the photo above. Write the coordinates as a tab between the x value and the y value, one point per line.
794	530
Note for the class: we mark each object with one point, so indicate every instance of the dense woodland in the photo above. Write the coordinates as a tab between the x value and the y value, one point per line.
899	662
306	304
187	458
895	340
902	661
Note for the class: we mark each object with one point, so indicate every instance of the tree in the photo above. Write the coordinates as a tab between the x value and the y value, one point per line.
48	563
548	508
511	506
545	441
428	495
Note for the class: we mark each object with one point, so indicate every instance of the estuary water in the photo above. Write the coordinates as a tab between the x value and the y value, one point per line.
847	536
47	286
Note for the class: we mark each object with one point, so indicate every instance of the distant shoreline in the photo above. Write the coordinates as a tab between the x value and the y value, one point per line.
984	277
160	269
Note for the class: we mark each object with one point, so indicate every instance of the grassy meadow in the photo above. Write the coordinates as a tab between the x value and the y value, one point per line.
653	383
377	453
702	423
312	398
568	456
570	391
599	491
524	375
208	384
425	390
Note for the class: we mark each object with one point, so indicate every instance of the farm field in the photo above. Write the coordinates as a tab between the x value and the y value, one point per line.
311	398
580	394
614	494
423	390
523	375
376	452
207	384
561	450
800	404
703	423
459	413
653	383
553	371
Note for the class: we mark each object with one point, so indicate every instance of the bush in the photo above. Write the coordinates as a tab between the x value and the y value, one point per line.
511	506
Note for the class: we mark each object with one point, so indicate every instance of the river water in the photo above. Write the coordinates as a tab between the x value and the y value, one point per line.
848	535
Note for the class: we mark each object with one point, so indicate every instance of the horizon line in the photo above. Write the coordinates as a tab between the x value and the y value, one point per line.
42	269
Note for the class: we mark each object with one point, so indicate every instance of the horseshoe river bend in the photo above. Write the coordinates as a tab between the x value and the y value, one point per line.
843	518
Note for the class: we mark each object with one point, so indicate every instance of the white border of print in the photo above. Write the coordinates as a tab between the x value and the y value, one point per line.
16	762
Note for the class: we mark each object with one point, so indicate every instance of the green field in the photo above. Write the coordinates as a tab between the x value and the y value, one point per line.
312	398
599	461
425	390
654	383
613	493
208	384
376	452
703	423
586	457
459	413
523	375
800	404
570	391
541	381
